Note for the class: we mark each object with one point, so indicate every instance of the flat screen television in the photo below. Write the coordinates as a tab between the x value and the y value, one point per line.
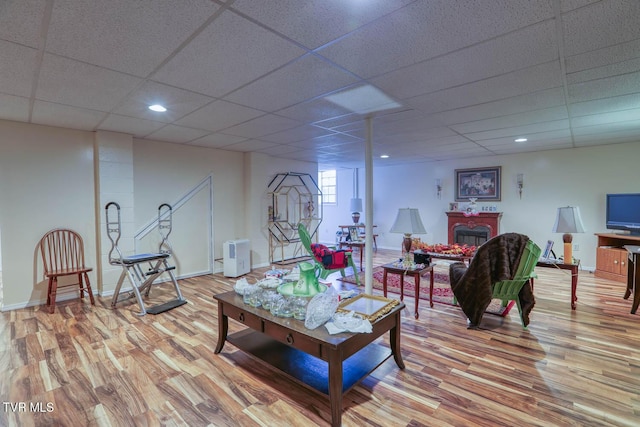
623	212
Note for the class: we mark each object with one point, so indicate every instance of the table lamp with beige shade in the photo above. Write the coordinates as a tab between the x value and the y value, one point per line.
568	220
408	222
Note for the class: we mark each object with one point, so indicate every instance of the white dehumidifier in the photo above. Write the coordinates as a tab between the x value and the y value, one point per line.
236	257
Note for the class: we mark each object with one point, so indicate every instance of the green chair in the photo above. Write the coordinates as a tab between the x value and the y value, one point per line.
509	290
505	290
331	267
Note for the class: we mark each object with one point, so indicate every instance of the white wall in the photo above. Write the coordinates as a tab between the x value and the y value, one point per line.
46	182
578	177
165	172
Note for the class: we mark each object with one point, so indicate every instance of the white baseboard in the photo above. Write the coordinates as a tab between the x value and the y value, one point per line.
73	294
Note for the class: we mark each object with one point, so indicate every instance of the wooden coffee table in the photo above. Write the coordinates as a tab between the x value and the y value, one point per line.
416	273
329	364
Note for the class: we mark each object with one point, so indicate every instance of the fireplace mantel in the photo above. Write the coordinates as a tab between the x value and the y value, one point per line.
491	220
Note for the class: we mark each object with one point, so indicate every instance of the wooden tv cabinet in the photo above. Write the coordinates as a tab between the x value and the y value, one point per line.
611	256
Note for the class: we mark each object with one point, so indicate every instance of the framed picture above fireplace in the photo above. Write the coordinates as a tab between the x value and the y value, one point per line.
482	184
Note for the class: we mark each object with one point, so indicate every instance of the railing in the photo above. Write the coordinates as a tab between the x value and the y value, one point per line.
153	224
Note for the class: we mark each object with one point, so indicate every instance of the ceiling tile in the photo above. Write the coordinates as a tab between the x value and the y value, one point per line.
297	134
20	21
136	127
446	141
528	47
485	69
300	80
178	102
46	113
520	131
279	150
618	137
179	134
427	125
69	82
607	87
613	117
315	110
601	24
532	79
598	106
265	125
324	142
533	140
14	108
511	120
219	115
612	70
317	21
567	5
229	53
353	121
250	145
303	156
457	147
17	68
554	145
217	140
516	104
435	136
90	31
425	30
631	126
601	57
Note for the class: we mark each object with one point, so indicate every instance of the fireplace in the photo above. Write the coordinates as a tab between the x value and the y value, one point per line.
473	229
471	236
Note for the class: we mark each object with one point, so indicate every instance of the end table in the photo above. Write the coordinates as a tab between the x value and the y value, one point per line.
394	268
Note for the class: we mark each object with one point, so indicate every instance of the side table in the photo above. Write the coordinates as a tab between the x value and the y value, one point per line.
393	268
355	244
633	276
562	266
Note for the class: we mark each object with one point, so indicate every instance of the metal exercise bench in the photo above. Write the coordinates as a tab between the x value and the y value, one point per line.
141	281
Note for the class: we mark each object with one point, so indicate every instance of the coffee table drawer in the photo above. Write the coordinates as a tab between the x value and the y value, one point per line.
293	338
239	315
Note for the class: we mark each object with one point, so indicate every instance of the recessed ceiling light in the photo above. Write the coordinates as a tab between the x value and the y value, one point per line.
384	156
521	140
158	108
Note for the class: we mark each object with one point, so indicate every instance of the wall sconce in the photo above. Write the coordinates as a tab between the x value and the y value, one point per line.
438	187
520	182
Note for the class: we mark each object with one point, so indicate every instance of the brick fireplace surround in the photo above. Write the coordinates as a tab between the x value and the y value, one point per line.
486	220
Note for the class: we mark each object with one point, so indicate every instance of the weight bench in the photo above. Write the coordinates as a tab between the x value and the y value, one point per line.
157	263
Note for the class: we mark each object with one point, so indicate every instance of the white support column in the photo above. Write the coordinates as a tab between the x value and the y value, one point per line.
368	163
114	183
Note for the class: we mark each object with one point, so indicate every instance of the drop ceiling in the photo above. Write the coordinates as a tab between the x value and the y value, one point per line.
255	76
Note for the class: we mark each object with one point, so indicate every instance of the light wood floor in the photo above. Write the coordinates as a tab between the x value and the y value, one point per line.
88	365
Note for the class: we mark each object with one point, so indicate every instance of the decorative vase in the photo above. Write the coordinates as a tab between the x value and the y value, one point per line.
307	285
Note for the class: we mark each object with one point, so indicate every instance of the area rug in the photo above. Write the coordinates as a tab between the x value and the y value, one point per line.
442	292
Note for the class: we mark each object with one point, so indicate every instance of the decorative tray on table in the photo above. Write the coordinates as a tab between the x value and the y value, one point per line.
370	307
